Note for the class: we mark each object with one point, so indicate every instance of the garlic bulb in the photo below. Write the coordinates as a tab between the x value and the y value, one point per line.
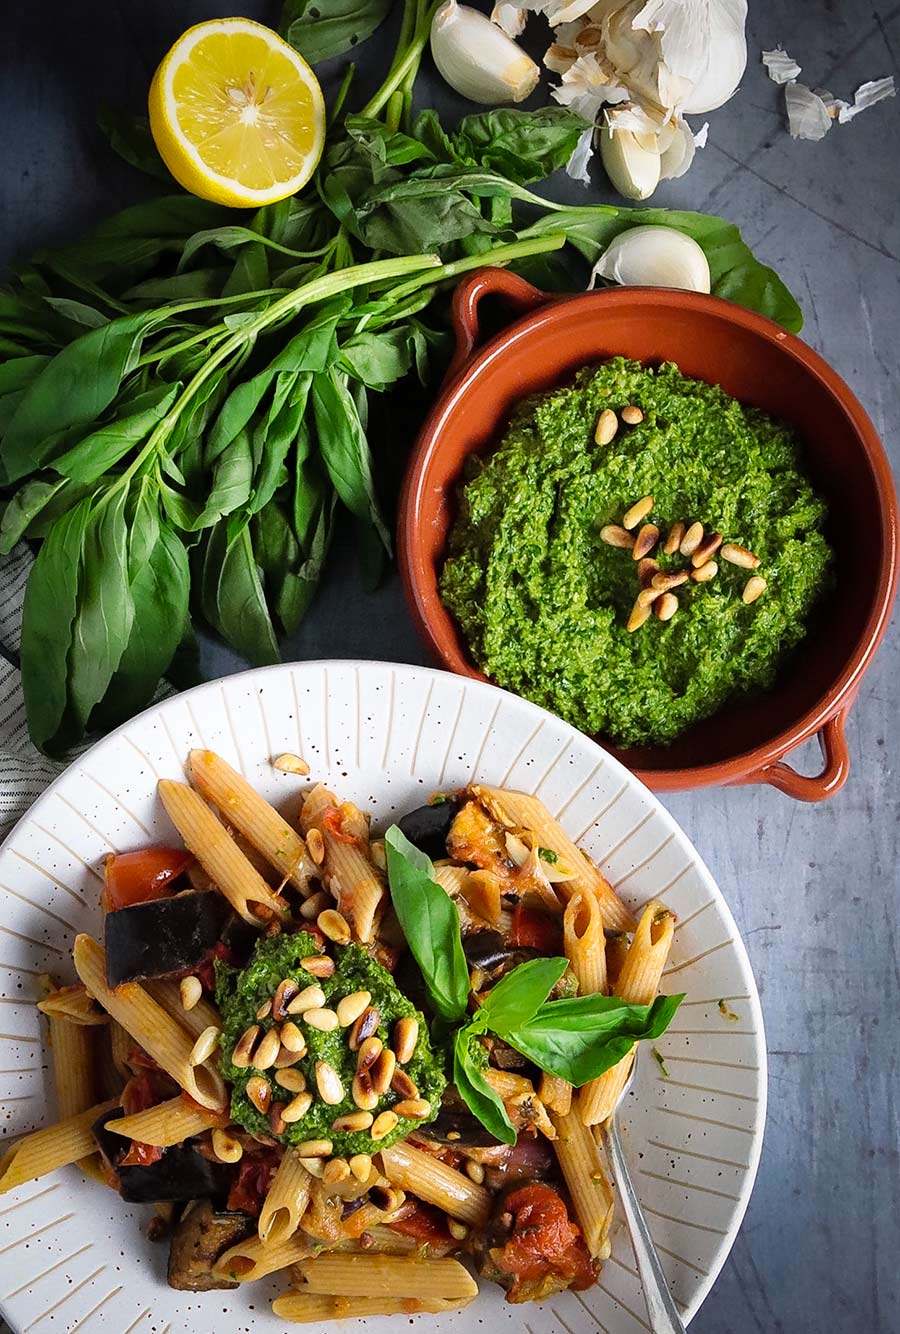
477	58
654	257
632	161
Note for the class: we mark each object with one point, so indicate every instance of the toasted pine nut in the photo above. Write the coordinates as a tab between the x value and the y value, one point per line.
328	1082
645	541
325	1020
458	1231
310	998
364	1027
364	1096
382	1072
259	1091
318	964
349	1008
264	1010
292	1038
666	607
736	555
291	764
285	992
647	568
616	536
378	854
226	1148
315	1167
292	1080
639	510
387	1198
474	1171
607	425
314	1148
205	1045
754	588
691	540
368	1054
406	1035
673	541
190	989
268	1049
243	1048
383	1125
708	547
705	572
631	414
664	583
414	1108
315	845
648	596
638	615
352	1121
276	1117
334	925
336	1170
316	903
286	1057
402	1085
297	1108
361	1166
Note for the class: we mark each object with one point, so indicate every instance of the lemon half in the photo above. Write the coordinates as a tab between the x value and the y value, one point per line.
237	115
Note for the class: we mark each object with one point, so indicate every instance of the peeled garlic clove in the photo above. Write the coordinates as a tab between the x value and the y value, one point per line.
631	162
676	158
654	257
477	58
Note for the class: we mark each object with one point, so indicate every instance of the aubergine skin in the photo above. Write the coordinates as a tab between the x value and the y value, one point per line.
163	936
181	1173
427	827
200	1237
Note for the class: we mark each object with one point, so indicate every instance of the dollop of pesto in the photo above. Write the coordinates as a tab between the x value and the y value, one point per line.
543	602
240	993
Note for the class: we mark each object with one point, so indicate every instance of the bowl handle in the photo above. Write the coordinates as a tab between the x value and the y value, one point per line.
816	787
466	299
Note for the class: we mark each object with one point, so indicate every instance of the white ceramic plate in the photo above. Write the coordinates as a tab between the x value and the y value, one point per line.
74	1257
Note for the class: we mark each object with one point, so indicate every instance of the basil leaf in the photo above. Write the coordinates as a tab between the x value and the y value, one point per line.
430	924
96	453
74	389
378	359
326	28
471	1085
345	450
24	507
517	997
579	1039
233	598
523	146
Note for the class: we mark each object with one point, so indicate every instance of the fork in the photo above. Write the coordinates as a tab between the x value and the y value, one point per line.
661	1309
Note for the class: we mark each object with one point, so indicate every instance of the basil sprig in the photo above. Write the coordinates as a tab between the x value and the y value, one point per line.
576	1038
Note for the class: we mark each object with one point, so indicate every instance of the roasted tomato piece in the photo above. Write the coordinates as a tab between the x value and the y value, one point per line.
427	1224
136	877
536	930
253	1181
544	1250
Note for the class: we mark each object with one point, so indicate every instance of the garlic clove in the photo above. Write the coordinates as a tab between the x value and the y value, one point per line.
676	158
478	59
654	257
631	160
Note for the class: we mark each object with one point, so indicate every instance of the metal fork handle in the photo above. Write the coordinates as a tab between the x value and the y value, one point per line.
663	1313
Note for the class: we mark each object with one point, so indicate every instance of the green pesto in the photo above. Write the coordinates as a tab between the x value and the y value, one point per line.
240	992
543	602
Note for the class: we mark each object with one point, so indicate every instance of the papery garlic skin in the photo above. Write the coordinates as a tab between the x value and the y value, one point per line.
631	161
478	59
654	257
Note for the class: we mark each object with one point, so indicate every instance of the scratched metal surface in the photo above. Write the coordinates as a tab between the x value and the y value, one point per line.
814	889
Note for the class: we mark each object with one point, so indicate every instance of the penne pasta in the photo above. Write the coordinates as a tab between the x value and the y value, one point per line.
555	1093
346	1275
56	1146
167	1123
436	1183
251	1259
304	1308
208	839
637	983
121	1045
520	810
149	1025
286	1201
451	878
584	943
357	884
74	1005
76	1075
258	821
203	1015
582	1166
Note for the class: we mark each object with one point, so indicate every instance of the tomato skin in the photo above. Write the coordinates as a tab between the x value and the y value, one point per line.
137	1095
253	1181
426	1224
137	877
333	822
537	930
543	1239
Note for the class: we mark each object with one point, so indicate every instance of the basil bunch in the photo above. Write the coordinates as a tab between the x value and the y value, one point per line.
576	1039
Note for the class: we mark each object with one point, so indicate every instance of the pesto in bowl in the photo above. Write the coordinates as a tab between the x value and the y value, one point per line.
544	602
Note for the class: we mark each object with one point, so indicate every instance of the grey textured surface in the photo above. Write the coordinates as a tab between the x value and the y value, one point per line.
814	889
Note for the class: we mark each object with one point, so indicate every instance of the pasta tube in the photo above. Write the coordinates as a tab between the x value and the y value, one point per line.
306	1308
251	1259
341	1274
436	1183
286	1201
56	1146
167	1123
589	1185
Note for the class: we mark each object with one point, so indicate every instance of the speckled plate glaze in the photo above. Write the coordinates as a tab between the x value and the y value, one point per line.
74	1257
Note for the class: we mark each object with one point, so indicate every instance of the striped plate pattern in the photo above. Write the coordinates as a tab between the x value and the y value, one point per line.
74	1257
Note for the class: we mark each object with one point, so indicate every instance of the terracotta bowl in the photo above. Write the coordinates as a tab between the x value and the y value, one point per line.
760	364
